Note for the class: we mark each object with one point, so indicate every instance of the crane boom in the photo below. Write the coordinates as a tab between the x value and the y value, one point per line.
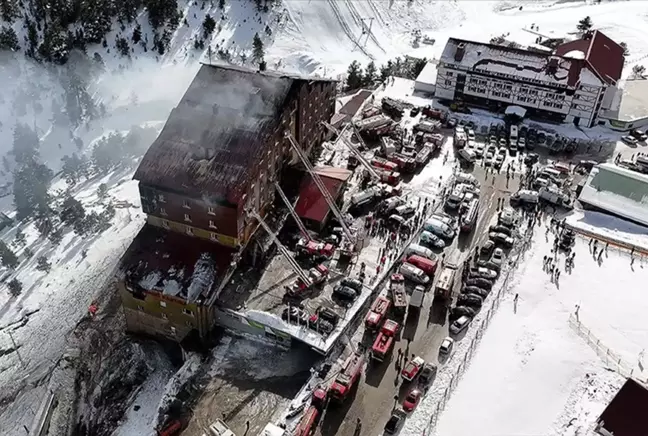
291	261
290	207
321	187
370	169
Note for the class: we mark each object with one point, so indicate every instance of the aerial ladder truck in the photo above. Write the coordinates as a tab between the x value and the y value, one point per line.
347	246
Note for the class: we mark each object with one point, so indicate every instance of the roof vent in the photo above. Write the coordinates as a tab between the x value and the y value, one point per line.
461	50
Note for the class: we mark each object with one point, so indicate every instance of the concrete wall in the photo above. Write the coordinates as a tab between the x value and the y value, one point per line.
236	322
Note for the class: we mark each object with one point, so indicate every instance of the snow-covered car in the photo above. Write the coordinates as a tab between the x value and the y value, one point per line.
500	158
486	273
461	323
452	122
506	217
471	134
354	284
498	257
490	155
344	292
427	374
446	346
411	400
501	239
521	144
431	240
502	142
479	150
531	159
629	139
412	368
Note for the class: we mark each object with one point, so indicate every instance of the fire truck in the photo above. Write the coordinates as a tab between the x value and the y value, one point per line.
347	378
314	249
412	369
308	423
405	163
316	276
391	177
385	340
384	164
377	313
399	296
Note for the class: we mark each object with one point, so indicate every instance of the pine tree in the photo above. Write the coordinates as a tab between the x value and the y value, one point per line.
122	46
221	4
137	34
15	287
9	10
208	25
19	238
624	46
8	39
257	48
55	237
26	144
72	211
31	185
42	264
102	191
7	257
585	24
370	74
263	65
354	76
638	71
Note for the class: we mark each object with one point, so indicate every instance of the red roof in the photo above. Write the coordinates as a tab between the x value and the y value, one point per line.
603	56
626	414
311	204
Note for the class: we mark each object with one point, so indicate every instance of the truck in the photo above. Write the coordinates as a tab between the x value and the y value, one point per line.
347	378
308	422
423	156
314	249
427	126
387	146
390	177
405	164
554	196
412	368
443	288
384	164
316	276
398	294
377	313
436	114
384	342
416	299
460	139
393	108
375	126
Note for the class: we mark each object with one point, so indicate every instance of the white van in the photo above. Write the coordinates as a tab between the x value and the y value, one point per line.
526	196
550	173
439	228
420	251
466	178
507	217
514	135
467	155
413	273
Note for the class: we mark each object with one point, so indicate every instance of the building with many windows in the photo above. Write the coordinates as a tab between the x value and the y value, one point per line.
574	84
218	155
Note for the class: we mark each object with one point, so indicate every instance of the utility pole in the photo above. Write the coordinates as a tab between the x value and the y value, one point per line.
13	341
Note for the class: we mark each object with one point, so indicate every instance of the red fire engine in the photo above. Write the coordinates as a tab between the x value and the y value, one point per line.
385	340
308	423
377	313
347	378
314	249
384	164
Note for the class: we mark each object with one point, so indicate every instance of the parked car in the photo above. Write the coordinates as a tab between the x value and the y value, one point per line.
506	217
631	140
639	135
470	300
479	150
500	158
487	248
498	257
354	284
521	143
480	283
461	323
501	229
397	417
405	210
344	292
429	239
427	374
501	239
411	400
446	346
468	156
531	158
486	273
483	293
502	142
398	221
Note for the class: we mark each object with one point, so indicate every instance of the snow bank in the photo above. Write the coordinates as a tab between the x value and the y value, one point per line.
609	227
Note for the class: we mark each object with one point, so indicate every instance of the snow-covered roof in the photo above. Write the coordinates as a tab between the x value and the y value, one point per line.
517	110
518	63
428	75
618	191
634	100
575	54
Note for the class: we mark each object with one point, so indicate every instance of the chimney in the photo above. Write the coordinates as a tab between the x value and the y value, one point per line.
461	50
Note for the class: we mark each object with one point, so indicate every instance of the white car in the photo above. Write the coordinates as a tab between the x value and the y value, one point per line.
446	346
479	150
498	257
629	139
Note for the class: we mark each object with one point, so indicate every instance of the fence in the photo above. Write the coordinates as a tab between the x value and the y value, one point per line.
612	360
488	315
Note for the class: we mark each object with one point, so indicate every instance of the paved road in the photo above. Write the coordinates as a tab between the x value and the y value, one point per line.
374	399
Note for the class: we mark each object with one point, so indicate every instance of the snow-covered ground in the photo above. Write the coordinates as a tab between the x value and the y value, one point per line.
609	227
544	367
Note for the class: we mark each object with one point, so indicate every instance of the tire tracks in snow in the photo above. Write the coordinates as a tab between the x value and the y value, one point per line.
358	18
346	28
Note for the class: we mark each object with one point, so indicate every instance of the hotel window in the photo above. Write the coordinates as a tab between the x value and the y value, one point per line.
161	198
213	237
212	225
448	82
165	224
189	231
210	211
163	211
187	312
187	218
185	204
163	303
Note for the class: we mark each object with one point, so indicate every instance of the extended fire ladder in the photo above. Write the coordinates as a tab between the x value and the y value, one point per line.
320	185
340	136
291	261
292	211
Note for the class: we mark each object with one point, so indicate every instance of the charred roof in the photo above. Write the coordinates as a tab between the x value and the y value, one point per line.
218	130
